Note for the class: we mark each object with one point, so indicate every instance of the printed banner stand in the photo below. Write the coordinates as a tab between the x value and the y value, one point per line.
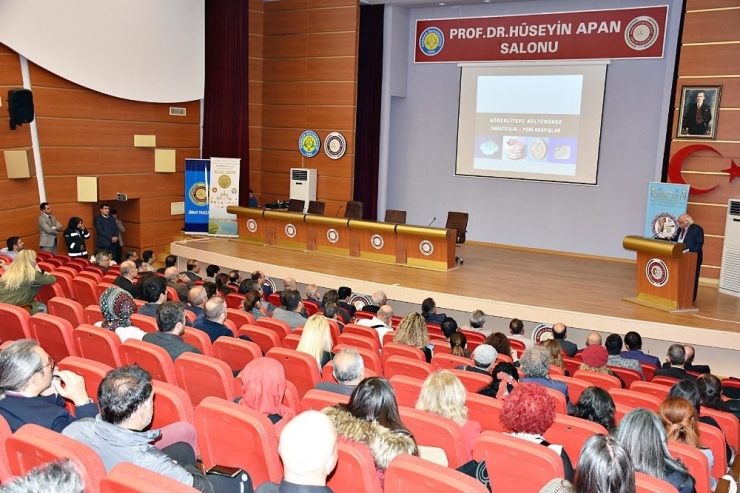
196	196
224	191
666	201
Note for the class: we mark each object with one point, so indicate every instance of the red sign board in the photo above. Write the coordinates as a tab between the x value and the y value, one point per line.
616	33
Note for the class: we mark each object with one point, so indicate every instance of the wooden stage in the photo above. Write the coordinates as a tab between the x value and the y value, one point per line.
581	292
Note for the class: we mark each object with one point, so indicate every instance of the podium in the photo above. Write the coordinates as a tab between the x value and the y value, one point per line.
665	274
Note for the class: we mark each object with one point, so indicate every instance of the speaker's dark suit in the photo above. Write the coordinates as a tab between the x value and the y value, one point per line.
694	241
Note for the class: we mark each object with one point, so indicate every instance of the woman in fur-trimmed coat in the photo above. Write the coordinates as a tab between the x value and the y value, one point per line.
372	418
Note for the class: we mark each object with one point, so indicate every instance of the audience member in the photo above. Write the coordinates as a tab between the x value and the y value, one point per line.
560	334
291	310
172	277
484	356
75	236
643	435
197	297
60	476
125	279
379	299
234	279
459	345
503	373
596	405
193	268
132	255
528	412
212	323
689	365
371	417
604	466
308	449
126	404
252	285
449	327
535	365
49	229
289	284
344	294
211	289
381	322
673	367
477	320
633	342
516	328
316	340
444	394
413	332
103	259
331	312
22	281
429	312
169	261
501	343
253	303
332	296
595	358
33	391
171	324
153	290
263	388
117	306
13	246
613	348
121	230
211	272
349	370
147	257
222	284
313	294
710	393
556	353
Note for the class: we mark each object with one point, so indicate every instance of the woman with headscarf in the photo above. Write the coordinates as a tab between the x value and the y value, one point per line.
22	281
263	388
75	236
117	307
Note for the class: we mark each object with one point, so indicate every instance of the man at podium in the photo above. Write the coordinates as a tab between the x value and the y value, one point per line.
692	236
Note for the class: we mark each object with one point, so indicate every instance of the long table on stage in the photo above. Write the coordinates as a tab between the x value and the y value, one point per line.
418	246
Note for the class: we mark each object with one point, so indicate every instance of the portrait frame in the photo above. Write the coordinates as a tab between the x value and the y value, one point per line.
689	124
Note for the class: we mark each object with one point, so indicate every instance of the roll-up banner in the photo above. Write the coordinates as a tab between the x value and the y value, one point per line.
197	177
223	192
665	202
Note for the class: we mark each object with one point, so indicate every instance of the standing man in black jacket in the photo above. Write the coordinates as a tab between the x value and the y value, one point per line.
106	232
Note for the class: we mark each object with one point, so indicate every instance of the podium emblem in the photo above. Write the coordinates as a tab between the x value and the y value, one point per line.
332	235
252	225
657	272
377	242
290	230
426	247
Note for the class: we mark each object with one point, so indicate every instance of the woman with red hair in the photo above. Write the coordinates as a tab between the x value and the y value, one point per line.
528	412
263	388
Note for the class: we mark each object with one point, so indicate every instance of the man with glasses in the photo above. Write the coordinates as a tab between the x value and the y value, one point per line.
692	236
33	391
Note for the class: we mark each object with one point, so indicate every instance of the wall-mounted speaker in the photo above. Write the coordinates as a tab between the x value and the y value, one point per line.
20	107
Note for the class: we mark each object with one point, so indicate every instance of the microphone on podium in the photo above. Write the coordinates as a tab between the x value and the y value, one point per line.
340	210
430	222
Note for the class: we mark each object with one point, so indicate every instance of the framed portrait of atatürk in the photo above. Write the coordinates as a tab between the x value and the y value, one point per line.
699	112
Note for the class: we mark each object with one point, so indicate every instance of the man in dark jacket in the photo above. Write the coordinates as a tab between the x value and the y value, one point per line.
106	232
560	333
171	323
673	367
125	280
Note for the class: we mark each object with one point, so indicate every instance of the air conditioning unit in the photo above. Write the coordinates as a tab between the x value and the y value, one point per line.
729	278
303	185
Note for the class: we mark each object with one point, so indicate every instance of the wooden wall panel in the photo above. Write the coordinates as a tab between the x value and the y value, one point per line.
715	59
333	44
710	216
340	118
106	160
285	22
295	46
710	25
284	115
710	4
337	19
96	133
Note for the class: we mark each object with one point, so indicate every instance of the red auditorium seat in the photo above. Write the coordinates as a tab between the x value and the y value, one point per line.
627	375
144	322
395	349
129	478
407	473
54	335
474	336
561	406
600	380
64	280
93	273
695	462
667	381
713	438
362	315
729	424
362	331
355	470
153	359
406	389
486	411
397	365
281	328
572	433
266	339
517	346
92	314
312	308
473	381
85	289
97	344
93	372
67	309
359	341
48	292
239	317
204	376
319	399
235	352
220	424
575	386
649	484
235	300
291	341
5	432
656	389
188	314
449	361
274	298
14	323
172	294
520	465
199	339
435	330
571	364
556	370
436	431
171	404
626	400
300	368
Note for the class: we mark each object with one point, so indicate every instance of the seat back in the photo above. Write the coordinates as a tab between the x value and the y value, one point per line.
64	279
144	322
659	391
300	368
395	349
67	309
363	315
449	361
713	439
648	370
129	478
220	424
521	466
102	286
296	205
92	372
600	380
408	473
153	359
406	389
486	411
199	339
362	331
92	314
397	365
663	380
5	432
572	433
239	317
311	307
561	405
171	404
571	364
575	386
355	470
266	339
274	298
33	446
358	341
172	294
235	301
85	291
204	376
319	399
281	328
291	341
729	424
627	375
316	207
695	462
49	291
517	345
436	431
395	216
54	335
458	221
98	344
649	484
472	381
626	400
353	210
235	352
14	323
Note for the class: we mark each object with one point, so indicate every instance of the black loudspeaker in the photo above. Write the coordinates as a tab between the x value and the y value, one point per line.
20	107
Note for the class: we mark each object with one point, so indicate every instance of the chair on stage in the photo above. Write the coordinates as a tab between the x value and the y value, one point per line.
315	207
394	216
295	205
354	210
459	222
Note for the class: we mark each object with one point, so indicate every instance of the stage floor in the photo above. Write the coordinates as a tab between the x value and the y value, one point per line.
579	291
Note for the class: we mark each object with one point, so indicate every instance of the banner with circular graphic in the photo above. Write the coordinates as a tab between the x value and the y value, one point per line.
223	192
665	202
197	175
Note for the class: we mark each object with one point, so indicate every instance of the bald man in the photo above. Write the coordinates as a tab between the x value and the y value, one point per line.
692	236
172	275
125	280
560	333
381	322
689	365
308	448
197	298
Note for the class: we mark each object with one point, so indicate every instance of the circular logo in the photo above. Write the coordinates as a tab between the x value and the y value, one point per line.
224	181
290	230
309	143
251	225
431	41
377	241
332	235
641	33
542	333
664	225
426	247
198	194
335	145
657	272
360	300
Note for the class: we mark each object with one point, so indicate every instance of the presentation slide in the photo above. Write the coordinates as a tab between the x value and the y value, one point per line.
539	122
